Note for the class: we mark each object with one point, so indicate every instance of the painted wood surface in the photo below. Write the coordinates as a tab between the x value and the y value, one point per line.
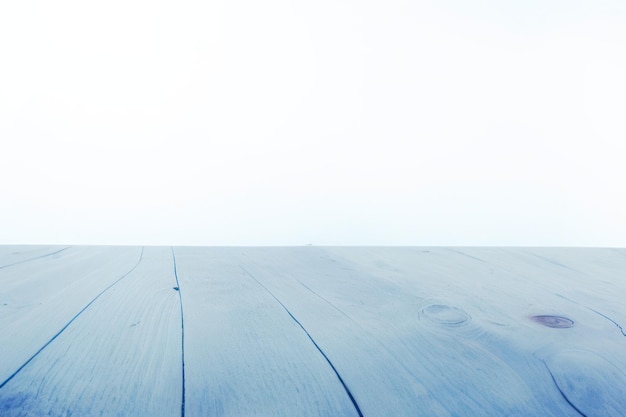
312	331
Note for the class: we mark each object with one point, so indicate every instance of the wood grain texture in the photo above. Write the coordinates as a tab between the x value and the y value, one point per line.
316	331
38	298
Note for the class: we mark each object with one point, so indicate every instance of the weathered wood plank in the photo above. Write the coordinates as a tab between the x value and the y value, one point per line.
244	354
40	297
121	356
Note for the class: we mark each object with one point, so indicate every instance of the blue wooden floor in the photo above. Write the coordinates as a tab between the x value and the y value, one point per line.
312	331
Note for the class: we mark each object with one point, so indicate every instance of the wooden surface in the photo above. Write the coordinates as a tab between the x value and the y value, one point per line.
312	331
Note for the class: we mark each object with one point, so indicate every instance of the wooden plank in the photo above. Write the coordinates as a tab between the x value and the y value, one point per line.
39	298
16	254
121	356
244	354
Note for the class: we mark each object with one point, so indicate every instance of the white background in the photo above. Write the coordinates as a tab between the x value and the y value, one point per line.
272	122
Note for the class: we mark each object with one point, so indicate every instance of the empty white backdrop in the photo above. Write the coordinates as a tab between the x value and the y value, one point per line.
327	122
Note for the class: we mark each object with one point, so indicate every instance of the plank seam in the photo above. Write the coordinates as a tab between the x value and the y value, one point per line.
562	393
182	330
345	387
